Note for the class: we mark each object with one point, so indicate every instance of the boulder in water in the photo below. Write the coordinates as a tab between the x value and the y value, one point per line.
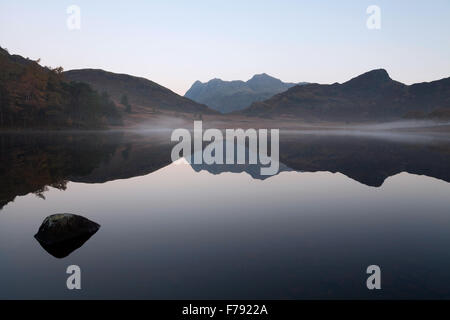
61	234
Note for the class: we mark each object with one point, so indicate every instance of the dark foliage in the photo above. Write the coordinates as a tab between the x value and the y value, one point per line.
140	92
32	96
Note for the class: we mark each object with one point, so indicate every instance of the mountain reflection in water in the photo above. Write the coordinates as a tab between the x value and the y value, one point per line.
30	163
341	202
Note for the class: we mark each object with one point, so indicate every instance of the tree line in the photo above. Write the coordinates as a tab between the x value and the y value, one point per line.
34	96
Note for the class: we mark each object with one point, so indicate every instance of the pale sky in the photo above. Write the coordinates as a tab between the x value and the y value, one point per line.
177	42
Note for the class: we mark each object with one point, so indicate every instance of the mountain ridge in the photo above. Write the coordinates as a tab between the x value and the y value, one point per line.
229	96
370	96
140	91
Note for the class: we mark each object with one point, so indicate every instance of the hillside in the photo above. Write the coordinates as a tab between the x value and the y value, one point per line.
372	96
229	96
32	96
140	92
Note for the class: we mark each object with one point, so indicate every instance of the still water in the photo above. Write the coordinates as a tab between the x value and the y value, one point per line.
341	202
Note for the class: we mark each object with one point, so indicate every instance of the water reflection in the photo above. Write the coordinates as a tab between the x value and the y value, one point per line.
197	232
30	163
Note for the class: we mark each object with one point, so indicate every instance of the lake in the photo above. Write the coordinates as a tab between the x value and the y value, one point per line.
343	200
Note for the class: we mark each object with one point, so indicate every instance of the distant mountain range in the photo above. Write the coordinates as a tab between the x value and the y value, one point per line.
229	96
371	96
140	91
32	96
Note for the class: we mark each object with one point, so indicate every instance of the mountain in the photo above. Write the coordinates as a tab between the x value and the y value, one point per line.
229	96
32	96
141	93
370	96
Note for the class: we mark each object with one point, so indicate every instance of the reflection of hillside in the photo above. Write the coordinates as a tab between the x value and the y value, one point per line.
31	163
254	170
131	159
367	160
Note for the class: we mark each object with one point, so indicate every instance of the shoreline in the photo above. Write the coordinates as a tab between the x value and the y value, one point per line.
170	121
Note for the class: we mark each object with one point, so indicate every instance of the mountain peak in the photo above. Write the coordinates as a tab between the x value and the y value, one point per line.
197	84
262	82
262	76
228	96
378	74
371	77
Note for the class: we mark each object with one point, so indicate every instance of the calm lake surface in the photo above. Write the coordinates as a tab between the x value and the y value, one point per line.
342	201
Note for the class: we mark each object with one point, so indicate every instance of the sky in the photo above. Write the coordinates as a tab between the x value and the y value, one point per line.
176	42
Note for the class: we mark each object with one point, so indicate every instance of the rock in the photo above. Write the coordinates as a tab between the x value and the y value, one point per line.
61	234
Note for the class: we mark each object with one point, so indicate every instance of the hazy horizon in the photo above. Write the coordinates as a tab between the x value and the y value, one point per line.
175	43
